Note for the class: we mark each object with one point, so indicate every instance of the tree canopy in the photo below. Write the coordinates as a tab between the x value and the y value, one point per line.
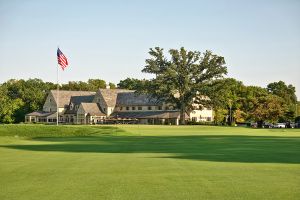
179	79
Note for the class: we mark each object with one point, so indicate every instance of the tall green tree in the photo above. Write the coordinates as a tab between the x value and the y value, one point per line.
95	84
267	108
112	86
288	94
225	95
179	79
131	84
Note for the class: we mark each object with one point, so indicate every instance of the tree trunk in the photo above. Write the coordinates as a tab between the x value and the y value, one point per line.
182	114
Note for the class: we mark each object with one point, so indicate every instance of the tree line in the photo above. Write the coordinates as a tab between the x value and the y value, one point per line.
182	78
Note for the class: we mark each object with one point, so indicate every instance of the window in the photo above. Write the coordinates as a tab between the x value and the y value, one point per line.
121	108
49	100
149	108
127	108
140	108
133	108
167	108
50	110
104	109
71	106
159	108
76	107
208	119
194	119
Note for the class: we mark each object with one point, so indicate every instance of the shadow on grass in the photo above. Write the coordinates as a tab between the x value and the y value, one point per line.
221	148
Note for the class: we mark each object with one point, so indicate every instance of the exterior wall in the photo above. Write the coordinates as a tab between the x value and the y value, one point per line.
80	117
109	110
70	118
201	115
50	103
99	99
136	108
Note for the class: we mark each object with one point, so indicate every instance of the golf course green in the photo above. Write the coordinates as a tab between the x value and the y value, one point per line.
40	162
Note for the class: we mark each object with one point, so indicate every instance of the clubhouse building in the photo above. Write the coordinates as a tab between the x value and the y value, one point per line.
110	106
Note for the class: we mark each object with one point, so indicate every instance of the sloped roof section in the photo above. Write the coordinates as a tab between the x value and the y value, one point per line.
110	95
133	99
40	114
92	109
80	99
65	96
77	100
148	115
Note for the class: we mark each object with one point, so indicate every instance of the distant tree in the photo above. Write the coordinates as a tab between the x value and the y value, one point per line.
225	94
76	86
287	93
131	84
95	84
8	105
267	108
112	86
179	79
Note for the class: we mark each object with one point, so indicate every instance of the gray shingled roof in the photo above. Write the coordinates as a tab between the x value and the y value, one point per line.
148	115
92	109
110	95
65	96
40	114
77	100
133	99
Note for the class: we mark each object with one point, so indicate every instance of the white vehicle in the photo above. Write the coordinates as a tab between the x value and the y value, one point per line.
279	125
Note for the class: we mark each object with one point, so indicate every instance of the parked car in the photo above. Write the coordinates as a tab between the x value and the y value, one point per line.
253	125
279	125
267	125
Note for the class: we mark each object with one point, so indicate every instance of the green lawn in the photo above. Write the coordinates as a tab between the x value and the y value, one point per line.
148	162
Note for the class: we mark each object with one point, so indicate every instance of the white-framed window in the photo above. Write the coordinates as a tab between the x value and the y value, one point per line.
159	107
127	108
149	108
140	108
133	108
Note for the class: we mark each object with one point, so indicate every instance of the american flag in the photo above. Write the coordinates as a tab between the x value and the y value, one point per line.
62	59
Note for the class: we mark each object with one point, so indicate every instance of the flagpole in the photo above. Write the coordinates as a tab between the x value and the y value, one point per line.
57	97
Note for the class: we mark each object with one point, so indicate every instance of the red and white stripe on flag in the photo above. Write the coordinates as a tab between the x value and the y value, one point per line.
62	59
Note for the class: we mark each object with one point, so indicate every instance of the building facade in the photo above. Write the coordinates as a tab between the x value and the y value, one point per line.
110	106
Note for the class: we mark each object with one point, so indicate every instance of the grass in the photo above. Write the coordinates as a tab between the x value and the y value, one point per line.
148	162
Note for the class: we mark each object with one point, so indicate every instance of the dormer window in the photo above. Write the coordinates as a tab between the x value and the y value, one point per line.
76	107
71	106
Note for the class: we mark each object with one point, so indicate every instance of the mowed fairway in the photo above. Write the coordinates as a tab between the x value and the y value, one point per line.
148	162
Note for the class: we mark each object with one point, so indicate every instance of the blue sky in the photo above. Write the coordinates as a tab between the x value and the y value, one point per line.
260	40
